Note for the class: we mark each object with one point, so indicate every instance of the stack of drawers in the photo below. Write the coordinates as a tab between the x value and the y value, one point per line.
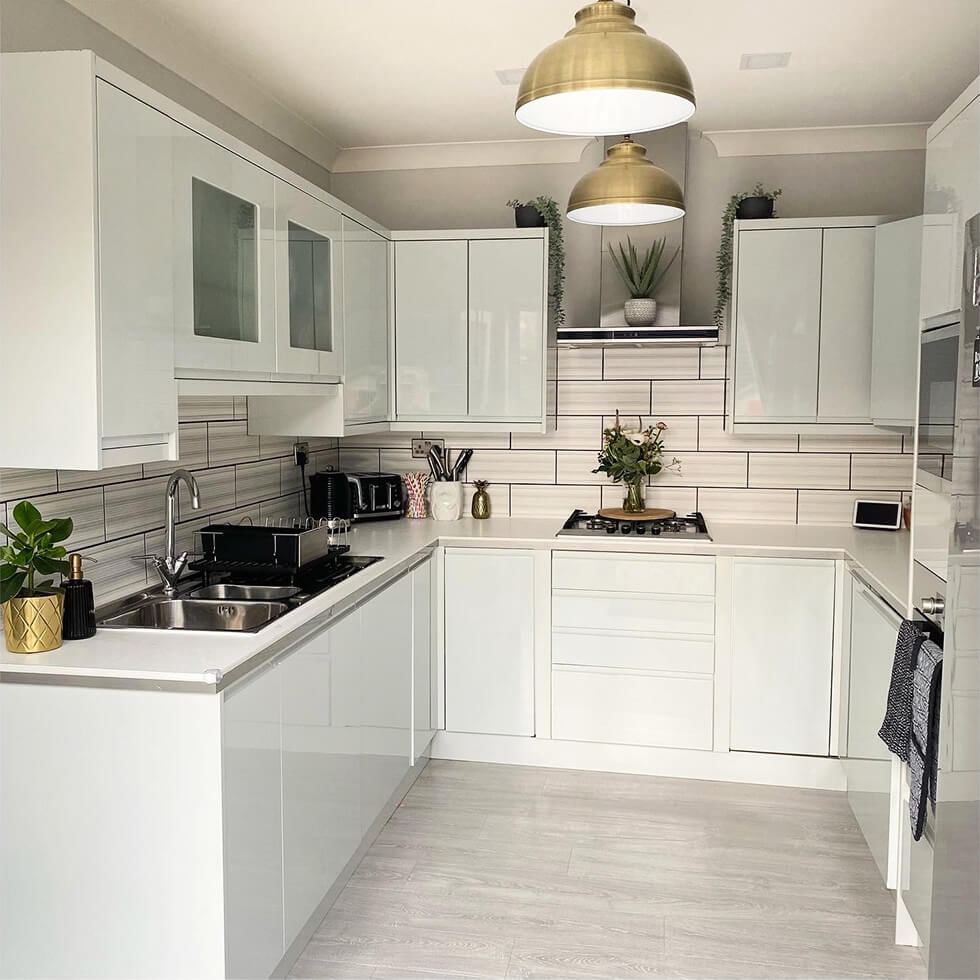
633	649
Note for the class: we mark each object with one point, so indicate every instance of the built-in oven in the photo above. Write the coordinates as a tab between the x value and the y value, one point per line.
939	353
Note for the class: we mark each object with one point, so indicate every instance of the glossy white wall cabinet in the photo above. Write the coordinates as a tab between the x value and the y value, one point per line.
309	285
224	278
365	324
490	641
430	330
802	325
470	330
86	235
251	762
782	651
506	329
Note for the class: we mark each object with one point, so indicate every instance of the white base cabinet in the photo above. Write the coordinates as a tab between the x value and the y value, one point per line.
489	641
782	655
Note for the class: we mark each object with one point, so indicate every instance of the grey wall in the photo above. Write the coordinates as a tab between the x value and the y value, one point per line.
53	25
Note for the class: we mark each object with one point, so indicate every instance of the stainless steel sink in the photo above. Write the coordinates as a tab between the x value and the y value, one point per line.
247	593
196	614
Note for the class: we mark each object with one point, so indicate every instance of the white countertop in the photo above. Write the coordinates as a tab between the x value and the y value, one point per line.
167	658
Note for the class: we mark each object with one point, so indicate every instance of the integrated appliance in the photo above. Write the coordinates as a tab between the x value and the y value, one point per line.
689	528
879	515
372	496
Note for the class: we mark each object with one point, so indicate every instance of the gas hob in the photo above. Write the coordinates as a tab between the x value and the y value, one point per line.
690	528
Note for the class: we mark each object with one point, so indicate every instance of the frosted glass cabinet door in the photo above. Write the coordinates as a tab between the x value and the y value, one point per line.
431	313
777	325
365	324
224	287
507	329
309	314
846	325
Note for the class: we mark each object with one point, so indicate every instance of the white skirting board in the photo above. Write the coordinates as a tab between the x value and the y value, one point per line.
804	772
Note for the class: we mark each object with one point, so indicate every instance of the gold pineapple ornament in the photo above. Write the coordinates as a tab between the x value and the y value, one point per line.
480	508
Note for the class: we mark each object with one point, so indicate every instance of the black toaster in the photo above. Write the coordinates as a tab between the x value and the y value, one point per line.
376	496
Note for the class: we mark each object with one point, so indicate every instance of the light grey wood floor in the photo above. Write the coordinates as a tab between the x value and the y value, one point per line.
505	871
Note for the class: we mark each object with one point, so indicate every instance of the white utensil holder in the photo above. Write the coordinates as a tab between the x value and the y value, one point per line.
446	500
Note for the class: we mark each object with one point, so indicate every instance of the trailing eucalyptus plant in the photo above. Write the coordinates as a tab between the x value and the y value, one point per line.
33	549
549	209
642	276
724	261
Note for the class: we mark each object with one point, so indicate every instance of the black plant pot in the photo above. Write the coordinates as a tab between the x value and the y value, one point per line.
528	216
755	207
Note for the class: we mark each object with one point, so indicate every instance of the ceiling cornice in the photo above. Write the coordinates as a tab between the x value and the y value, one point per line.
824	139
430	156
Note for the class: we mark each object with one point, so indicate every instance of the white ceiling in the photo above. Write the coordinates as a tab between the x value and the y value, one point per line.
383	72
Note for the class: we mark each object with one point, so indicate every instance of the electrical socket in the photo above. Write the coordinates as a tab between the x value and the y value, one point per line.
421	447
301	449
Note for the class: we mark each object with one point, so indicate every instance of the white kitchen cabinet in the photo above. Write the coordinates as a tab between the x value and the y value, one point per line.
802	325
321	766
431	312
871	637
471	330
423	713
489	603
507	324
224	275
895	342
365	324
309	286
846	325
952	197
782	653
86	283
251	762
386	700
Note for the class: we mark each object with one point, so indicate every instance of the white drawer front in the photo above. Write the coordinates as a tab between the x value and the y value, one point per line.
637	613
684	654
663	574
629	708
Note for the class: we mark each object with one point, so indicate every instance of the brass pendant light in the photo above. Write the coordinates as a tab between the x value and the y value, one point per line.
605	76
626	189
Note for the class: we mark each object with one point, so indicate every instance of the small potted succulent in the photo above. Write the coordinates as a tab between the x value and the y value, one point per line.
642	276
33	609
757	203
629	456
544	212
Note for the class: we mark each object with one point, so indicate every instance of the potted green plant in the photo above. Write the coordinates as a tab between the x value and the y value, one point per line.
547	213
629	456
32	609
642	276
757	203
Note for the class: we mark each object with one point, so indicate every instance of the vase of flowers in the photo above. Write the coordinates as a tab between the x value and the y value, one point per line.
630	455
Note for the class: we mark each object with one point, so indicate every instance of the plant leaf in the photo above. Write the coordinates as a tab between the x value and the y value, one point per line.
62	529
27	515
50	566
10	587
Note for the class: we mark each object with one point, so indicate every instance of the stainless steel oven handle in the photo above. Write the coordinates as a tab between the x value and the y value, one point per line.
933	605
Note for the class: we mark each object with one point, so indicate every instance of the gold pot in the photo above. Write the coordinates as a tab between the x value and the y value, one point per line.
33	624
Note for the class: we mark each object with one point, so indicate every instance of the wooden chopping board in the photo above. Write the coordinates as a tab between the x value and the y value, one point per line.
650	514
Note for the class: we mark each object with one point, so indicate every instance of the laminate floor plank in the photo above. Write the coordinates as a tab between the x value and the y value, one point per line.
516	872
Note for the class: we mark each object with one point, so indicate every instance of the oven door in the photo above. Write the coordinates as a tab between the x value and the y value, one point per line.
939	351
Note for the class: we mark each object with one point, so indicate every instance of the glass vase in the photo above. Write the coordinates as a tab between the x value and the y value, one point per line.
634	503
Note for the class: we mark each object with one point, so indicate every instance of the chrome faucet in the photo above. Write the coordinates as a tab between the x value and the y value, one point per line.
171	566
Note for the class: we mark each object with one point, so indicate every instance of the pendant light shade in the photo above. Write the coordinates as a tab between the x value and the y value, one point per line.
605	76
626	189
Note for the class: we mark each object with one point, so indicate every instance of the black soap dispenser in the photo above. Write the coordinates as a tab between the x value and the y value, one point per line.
79	619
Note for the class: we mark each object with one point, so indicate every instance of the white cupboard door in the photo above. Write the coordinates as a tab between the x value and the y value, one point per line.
490	642
320	769
365	324
136	256
309	309
777	325
431	313
386	680
895	343
422	725
846	325
224	287
507	329
252	807
782	651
